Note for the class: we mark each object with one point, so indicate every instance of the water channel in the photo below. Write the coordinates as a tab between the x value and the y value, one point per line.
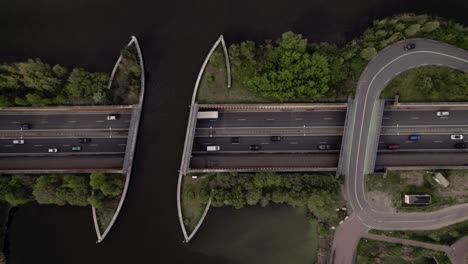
175	36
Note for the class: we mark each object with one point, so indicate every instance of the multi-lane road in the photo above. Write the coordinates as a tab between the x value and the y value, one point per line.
63	130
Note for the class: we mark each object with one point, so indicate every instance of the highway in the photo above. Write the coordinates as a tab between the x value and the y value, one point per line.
62	129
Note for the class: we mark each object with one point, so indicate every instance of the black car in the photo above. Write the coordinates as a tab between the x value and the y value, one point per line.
275	138
254	147
460	145
25	126
410	46
85	140
235	140
324	147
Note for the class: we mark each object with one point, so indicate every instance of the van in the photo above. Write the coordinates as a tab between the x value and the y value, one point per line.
213	148
113	117
393	146
18	141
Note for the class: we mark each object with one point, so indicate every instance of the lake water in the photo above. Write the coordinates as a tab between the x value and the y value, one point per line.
175	37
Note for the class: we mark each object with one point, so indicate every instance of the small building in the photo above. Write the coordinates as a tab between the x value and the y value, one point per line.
440	179
418	199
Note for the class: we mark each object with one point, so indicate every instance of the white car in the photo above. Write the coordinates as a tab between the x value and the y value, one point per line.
456	137
53	150
112	117
18	141
443	113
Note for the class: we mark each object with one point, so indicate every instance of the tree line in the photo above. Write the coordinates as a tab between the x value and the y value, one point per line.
291	68
78	190
36	83
317	192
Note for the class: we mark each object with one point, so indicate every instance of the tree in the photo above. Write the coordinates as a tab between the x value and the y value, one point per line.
110	186
14	191
96	200
253	196
368	53
288	71
83	83
38	75
75	190
45	190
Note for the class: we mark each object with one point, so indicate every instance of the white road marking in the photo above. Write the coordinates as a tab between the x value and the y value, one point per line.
100	121
241	119
298	119
324	142
293	143
65	145
121	145
386	117
438	141
8	146
414	117
71	121
207	143
37	145
15	122
270	119
44	122
93	145
327	118
265	143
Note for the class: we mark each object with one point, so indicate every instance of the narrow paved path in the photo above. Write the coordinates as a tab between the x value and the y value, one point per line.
408	242
390	62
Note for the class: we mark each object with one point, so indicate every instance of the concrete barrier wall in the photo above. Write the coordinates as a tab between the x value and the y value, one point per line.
294	106
345	140
130	151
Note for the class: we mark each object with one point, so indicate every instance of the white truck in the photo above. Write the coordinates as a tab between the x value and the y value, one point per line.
207	115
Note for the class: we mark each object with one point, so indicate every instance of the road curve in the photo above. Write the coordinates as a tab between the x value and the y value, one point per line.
385	66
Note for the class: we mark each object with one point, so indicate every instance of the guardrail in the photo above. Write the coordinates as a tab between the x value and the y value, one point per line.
295	106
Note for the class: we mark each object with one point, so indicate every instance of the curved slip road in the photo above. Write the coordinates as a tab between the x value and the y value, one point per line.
385	66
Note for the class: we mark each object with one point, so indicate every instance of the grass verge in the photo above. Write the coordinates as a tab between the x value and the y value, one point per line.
372	251
444	236
194	197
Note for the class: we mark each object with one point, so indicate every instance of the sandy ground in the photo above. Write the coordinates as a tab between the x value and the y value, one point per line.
458	188
413	177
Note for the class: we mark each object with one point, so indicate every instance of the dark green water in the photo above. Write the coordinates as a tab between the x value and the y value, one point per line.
175	37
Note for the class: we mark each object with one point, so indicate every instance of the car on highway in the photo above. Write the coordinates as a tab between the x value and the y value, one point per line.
460	145
255	147
393	146
76	148
213	148
85	140
456	137
25	126
324	146
18	141
235	140
53	150
442	113
414	137
410	46
113	117
275	138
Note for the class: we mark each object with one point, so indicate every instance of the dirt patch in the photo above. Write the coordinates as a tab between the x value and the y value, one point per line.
381	201
458	188
415	178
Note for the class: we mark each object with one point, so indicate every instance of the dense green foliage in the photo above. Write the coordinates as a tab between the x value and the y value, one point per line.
372	251
429	83
36	83
291	68
80	190
316	192
445	236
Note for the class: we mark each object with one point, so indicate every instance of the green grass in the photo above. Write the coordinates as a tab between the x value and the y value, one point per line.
429	84
194	197
372	251
444	236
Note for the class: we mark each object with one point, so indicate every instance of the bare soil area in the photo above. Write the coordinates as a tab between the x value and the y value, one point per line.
381	201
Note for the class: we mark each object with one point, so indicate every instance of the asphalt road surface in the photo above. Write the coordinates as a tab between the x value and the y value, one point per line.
384	67
64	120
41	146
80	162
